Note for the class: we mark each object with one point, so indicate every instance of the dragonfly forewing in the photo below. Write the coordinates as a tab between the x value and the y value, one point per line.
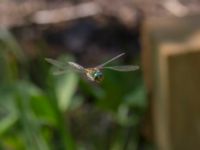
76	66
58	64
112	59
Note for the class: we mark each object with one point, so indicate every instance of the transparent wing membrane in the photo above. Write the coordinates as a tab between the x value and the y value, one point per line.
114	58
56	63
62	67
123	68
76	66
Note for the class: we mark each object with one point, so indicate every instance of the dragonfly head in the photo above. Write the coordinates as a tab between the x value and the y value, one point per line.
98	76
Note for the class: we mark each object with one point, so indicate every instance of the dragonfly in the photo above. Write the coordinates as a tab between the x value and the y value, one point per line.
94	74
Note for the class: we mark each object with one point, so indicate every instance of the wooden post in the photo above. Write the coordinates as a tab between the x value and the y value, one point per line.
171	62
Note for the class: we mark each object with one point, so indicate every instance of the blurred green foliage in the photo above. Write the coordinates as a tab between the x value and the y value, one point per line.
39	111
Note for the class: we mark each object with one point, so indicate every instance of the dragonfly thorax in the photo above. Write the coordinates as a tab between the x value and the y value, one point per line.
95	75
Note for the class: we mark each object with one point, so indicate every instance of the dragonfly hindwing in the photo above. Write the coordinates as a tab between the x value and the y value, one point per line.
123	68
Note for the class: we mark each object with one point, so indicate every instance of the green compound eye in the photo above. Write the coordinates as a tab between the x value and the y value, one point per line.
98	76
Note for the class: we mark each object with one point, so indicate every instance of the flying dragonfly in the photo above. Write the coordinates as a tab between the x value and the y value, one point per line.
94	74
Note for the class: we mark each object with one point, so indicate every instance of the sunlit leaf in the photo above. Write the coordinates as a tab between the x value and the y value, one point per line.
66	86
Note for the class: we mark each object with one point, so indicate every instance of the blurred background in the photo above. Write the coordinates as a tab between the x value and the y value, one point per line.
155	107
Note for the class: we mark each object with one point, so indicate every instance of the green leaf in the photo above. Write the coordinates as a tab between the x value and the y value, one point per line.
11	45
8	112
137	98
66	86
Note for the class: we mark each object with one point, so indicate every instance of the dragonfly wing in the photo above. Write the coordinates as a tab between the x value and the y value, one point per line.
123	68
56	63
112	59
62	67
76	66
